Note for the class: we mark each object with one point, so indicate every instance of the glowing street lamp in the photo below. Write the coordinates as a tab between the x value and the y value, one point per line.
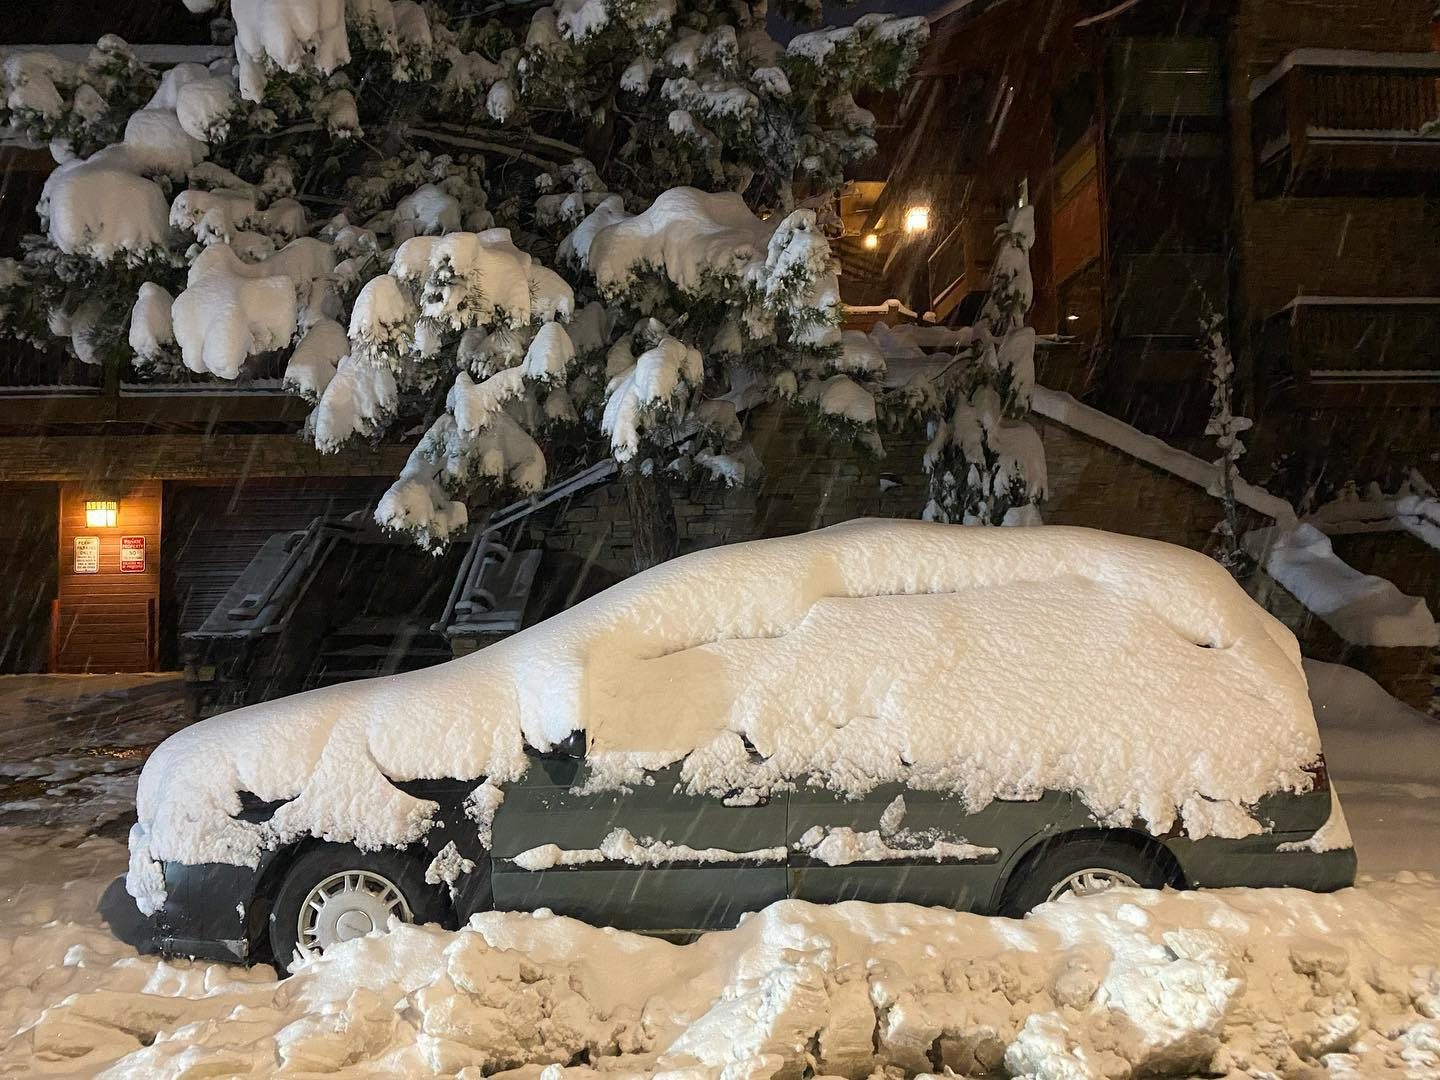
917	219
101	513
871	241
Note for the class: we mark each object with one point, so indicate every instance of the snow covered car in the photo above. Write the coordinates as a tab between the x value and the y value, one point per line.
979	718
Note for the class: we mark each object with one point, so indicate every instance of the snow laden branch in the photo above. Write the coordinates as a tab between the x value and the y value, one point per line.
316	206
703	309
432	319
985	461
755	305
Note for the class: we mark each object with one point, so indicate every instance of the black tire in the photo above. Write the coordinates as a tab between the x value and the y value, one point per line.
426	903
1032	883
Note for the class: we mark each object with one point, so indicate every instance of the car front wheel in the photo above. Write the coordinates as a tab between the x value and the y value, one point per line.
337	892
1082	867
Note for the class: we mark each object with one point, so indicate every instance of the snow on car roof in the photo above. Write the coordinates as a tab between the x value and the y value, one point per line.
989	663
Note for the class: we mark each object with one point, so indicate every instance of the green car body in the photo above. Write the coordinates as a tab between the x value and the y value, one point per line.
550	805
221	911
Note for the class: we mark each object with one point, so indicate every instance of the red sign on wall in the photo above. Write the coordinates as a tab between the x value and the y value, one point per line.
132	554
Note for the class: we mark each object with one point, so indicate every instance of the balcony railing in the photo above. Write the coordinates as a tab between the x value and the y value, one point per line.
27	371
1338	352
1341	122
959	266
946	266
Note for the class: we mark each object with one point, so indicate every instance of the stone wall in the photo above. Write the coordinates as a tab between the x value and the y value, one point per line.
808	485
1414	567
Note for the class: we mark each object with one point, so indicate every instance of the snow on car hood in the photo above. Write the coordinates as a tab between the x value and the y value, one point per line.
984	662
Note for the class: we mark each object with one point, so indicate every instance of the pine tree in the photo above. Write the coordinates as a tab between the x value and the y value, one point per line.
986	463
548	235
1226	427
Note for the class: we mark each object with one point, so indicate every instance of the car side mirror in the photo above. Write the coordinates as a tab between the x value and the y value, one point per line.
572	746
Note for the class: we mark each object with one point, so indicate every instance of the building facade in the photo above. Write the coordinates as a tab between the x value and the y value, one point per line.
1167	182
1275	161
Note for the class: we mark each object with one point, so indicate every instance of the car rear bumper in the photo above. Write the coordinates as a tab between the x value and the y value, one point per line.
1256	863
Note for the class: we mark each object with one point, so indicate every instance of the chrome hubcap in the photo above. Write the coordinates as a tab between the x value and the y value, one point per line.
1091	881
348	905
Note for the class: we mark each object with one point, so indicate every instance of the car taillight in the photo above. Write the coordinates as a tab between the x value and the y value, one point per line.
1319	774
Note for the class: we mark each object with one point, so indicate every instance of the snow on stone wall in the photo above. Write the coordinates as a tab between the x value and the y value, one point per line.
1362	608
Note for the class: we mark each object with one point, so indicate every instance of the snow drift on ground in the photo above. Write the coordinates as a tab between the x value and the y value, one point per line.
1238	983
1384	760
980	662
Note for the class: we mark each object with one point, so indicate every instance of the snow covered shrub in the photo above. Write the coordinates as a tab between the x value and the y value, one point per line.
551	235
986	463
1227	428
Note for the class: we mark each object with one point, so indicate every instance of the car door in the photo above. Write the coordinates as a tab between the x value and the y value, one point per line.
900	844
650	857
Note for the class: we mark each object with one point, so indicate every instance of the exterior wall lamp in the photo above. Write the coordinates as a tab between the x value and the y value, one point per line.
917	219
101	513
871	241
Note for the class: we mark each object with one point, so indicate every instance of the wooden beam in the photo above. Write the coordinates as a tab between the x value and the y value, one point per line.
96	458
41	410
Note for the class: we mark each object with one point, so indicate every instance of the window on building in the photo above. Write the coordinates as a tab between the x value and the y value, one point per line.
1164	79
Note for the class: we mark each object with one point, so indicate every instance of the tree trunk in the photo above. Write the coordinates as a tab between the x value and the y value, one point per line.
652	520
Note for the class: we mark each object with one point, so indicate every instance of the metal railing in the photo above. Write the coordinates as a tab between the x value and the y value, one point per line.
1366	334
469	591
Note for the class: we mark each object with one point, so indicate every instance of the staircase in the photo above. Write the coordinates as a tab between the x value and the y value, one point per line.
367	647
341	601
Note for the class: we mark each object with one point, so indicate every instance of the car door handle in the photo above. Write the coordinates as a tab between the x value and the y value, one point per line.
732	799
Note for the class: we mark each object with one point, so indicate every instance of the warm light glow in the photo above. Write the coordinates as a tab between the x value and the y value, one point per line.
917	219
871	241
101	513
1072	318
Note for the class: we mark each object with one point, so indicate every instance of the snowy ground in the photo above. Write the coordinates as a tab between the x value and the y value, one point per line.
1237	983
71	747
1385	759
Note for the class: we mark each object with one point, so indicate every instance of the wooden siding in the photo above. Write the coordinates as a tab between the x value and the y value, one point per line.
108	621
28	523
1077	229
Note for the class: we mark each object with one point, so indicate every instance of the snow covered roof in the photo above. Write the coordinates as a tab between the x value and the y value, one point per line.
987	663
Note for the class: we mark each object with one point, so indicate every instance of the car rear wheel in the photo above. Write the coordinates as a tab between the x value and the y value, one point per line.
336	892
1082	867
